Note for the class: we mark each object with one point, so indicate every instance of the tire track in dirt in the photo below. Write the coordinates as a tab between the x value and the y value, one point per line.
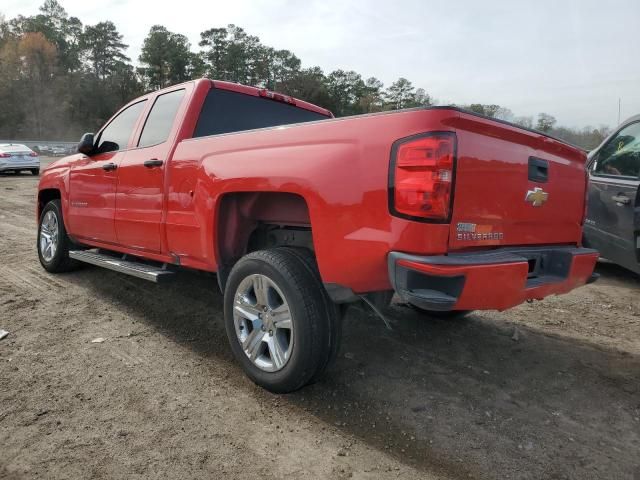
21	280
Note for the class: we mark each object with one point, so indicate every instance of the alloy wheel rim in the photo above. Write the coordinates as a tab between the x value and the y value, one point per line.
49	236
263	322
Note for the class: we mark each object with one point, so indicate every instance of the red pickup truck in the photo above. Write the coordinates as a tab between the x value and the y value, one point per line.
298	212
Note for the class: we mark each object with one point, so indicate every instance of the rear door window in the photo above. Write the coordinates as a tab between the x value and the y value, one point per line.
225	111
160	120
116	135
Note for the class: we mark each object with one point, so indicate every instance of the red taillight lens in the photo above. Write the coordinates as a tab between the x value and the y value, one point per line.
5	155
422	181
33	154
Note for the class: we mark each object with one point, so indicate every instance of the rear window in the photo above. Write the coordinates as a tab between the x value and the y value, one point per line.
225	111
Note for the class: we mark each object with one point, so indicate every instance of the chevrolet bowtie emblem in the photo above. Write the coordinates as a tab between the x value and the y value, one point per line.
537	197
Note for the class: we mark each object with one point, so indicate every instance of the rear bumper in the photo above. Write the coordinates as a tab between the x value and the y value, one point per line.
496	279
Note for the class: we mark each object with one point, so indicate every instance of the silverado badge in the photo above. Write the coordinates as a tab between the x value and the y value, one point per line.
537	197
471	231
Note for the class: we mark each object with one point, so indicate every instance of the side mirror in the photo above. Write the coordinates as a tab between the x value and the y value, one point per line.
86	144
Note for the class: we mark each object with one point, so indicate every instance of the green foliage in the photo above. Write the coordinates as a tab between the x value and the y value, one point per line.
587	137
231	54
545	122
526	122
104	49
167	59
308	84
59	78
62	31
493	111
345	90
215	53
400	94
372	98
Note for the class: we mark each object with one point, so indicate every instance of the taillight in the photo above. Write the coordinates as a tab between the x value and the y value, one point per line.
421	176
33	154
5	155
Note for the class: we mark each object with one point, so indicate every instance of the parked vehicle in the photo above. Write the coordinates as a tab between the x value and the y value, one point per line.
15	157
298	212
59	151
613	218
43	149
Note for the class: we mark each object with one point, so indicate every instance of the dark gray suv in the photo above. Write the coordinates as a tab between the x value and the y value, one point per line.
612	225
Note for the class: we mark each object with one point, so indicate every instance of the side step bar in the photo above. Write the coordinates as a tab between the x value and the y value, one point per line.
136	269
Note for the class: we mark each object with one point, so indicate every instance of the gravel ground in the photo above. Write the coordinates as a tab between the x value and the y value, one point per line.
545	390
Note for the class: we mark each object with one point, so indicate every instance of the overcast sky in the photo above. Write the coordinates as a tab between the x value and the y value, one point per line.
570	58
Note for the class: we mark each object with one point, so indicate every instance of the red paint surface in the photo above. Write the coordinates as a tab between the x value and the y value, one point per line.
503	285
340	167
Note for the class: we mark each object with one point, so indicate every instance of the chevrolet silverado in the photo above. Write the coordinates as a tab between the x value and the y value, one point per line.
299	213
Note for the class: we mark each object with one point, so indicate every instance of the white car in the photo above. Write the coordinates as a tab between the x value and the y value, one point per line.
15	157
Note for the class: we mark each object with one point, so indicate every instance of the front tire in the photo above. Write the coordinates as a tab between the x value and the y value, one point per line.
53	241
276	320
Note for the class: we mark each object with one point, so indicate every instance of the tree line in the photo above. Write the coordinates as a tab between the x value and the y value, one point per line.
59	77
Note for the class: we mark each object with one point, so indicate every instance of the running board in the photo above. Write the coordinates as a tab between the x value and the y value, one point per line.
136	269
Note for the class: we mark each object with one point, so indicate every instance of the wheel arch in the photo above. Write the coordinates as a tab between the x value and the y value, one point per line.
248	221
45	196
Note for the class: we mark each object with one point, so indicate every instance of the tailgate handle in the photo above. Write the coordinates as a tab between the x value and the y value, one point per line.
538	170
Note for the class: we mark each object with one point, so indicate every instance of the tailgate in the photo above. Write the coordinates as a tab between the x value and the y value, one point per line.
514	187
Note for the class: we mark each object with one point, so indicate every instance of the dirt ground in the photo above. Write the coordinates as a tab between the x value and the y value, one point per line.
546	390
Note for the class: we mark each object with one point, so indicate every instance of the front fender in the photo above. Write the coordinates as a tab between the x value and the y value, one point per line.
55	177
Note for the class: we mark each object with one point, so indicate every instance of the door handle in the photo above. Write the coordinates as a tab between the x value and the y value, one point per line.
621	198
154	162
107	167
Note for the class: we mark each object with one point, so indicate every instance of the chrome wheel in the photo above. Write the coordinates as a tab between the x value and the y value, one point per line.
49	232
263	322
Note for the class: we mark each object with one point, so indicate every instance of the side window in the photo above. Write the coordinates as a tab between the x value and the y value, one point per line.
160	120
225	111
621	155
116	135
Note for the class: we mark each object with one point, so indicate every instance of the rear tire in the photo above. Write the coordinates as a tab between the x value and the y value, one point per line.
333	314
35	171
53	242
263	288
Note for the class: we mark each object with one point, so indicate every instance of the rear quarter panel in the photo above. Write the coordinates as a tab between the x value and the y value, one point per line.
340	167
